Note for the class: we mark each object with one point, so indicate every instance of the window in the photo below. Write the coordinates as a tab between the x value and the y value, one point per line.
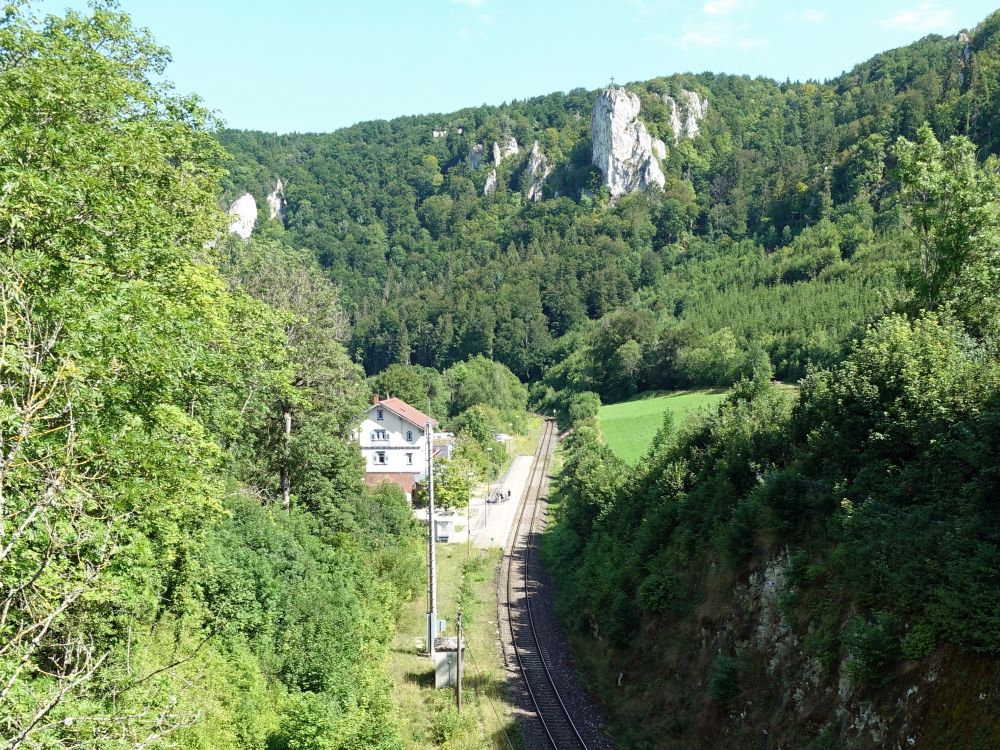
409	435
409	459
380	435
380	457
379	415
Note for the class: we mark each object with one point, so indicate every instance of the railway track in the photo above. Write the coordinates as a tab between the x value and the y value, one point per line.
546	718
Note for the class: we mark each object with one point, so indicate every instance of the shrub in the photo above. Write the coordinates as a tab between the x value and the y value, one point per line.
872	647
723	682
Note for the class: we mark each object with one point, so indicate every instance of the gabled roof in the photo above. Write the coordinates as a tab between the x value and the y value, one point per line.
401	408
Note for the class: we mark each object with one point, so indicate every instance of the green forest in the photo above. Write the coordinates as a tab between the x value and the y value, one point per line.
188	555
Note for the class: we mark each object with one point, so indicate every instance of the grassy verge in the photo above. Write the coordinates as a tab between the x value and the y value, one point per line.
630	426
427	716
524	445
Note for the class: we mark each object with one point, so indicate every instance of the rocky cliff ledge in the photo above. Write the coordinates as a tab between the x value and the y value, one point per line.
491	183
244	213
538	170
686	116
623	149
502	151
475	157
276	206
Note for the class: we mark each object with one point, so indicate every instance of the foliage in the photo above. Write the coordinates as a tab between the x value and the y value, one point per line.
483	381
879	482
154	590
723	681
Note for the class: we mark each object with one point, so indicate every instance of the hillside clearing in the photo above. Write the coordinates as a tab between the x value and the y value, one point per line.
630	426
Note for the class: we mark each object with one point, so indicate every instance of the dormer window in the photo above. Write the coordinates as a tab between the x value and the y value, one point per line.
379	415
409	435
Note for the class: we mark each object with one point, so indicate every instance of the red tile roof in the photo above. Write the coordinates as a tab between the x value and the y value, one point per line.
407	412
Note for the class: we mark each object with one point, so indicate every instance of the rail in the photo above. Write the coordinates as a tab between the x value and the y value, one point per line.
550	709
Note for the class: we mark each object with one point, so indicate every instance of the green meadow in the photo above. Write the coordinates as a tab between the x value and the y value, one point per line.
630	426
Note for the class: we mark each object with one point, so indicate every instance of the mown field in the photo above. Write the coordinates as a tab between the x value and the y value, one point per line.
629	427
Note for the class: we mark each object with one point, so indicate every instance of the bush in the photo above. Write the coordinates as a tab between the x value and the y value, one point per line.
447	721
723	682
583	406
872	647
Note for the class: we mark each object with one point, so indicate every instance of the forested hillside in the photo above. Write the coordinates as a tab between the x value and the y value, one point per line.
818	571
188	556
825	573
175	568
776	231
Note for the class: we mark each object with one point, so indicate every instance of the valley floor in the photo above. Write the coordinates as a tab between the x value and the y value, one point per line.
427	716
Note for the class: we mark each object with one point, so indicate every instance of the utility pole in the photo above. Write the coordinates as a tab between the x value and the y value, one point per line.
431	561
458	680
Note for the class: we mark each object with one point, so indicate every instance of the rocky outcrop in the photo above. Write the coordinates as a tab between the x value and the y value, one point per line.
501	152
622	148
793	676
491	183
244	211
686	116
538	170
439	133
964	56
475	157
276	206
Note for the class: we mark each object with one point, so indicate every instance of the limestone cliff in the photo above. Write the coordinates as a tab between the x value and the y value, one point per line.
964	55
790	681
491	183
501	152
475	157
538	170
276	207
244	213
622	148
686	116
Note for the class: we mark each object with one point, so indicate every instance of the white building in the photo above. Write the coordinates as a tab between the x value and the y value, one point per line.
394	444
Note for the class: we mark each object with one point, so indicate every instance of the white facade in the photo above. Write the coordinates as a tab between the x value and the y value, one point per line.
391	443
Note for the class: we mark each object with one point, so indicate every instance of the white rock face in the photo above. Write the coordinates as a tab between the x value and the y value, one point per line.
276	201
622	147
509	148
539	169
244	209
491	183
696	109
659	149
965	56
475	157
686	117
439	133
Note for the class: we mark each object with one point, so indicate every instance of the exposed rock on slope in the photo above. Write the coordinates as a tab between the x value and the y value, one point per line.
276	201
244	211
475	157
685	118
509	148
491	183
622	148
538	169
965	55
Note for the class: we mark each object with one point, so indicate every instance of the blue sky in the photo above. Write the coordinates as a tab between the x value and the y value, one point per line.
309	65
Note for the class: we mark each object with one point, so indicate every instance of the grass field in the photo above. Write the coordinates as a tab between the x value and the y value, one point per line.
629	427
427	716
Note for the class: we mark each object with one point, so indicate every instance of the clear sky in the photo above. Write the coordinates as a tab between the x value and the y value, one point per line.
310	65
